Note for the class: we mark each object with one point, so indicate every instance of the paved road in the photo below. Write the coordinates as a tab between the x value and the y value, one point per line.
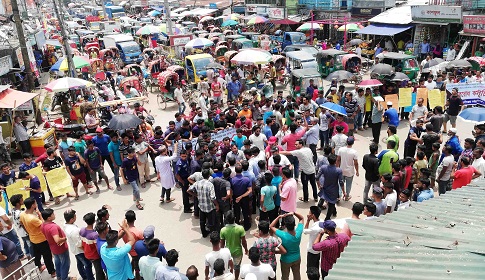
181	231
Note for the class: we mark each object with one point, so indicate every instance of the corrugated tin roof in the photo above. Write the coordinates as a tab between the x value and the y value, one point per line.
442	238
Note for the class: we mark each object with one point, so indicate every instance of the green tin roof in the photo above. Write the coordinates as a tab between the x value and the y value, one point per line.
442	238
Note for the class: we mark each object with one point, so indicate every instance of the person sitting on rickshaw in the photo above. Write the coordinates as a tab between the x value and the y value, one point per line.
163	63
133	92
94	55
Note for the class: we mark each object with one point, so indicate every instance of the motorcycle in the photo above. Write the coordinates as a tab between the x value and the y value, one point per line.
58	98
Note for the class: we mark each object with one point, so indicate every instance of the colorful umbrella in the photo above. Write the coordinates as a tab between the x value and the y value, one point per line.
199	43
309	26
79	62
350	27
175	30
256	20
370	83
475	114
229	23
148	29
65	84
334	108
231	17
252	57
154	13
207	18
479	60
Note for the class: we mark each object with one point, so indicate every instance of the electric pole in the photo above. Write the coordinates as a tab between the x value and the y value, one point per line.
23	45
169	19
65	42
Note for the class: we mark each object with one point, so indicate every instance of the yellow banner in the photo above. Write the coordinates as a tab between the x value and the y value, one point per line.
59	181
443	97
394	99
39	173
422	93
405	97
18	188
435	98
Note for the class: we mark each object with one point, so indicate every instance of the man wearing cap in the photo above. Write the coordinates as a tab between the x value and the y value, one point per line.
333	245
334	95
453	107
347	160
142	247
312	136
391	115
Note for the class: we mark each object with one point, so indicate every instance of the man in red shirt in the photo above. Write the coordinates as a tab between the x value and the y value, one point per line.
465	175
57	243
290	140
331	247
245	124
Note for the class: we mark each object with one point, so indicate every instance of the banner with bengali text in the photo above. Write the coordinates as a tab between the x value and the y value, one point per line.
40	174
228	132
18	188
59	181
470	93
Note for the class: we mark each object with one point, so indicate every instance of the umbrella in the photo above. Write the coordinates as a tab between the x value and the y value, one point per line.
199	43
355	42
309	26
351	27
479	60
207	18
148	29
252	57
175	68
399	77
232	17
213	65
229	22
334	108
382	69
124	121
433	62
370	83
175	30
256	20
79	62
154	13
460	63
475	114
339	75
284	21
67	83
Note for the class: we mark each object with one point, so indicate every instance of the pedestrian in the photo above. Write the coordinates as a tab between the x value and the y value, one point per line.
329	188
348	162
17	202
370	163
165	173
142	148
219	271
149	264
116	158
182	173
233	236
9	259
75	168
217	253
57	240
101	141
262	271
89	238
95	165
170	271
376	120
141	246
464	175
444	170
313	257
131	174
241	189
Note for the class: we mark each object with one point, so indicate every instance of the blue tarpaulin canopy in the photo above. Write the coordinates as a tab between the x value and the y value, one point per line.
383	29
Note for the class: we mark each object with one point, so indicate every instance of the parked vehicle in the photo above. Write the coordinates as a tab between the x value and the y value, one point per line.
195	66
130	51
401	62
301	60
114	12
329	61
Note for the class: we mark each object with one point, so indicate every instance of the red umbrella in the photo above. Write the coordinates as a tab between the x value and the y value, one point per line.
284	21
370	83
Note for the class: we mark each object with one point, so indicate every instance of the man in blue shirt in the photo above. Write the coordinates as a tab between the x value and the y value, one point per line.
115	156
422	191
391	115
182	173
170	271
141	247
241	188
101	141
116	259
378	50
424	49
233	88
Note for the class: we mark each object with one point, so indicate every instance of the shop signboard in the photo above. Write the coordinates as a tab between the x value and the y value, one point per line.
474	24
180	40
365	12
436	13
276	13
5	65
470	93
27	106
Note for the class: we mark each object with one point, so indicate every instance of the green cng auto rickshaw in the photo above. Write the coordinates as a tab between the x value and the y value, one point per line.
300	80
330	61
253	36
241	43
401	63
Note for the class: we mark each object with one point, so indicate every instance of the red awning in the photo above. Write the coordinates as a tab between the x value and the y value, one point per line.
11	99
284	21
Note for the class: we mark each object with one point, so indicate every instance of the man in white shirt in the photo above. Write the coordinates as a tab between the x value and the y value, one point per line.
179	97
217	253
210	75
478	162
419	111
313	257
203	104
347	160
259	140
391	196
339	140
263	271
452	53
84	266
430	84
219	271
358	50
283	160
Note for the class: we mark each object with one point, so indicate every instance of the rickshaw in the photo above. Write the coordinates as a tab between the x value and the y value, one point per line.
401	63
241	43
177	69
109	59
230	38
220	51
133	82
253	36
89	41
150	53
279	62
300	80
228	32
329	61
216	30
352	63
228	56
134	70
214	39
195	66
96	65
166	82
93	52
154	69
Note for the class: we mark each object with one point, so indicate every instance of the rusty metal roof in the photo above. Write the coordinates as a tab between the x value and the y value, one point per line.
442	238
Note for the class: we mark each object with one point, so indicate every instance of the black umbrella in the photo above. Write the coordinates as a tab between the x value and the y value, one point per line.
355	42
433	62
399	77
382	69
460	63
124	121
339	75
214	66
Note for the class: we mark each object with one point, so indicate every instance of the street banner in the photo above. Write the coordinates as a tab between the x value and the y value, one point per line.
394	99
229	132
470	93
40	174
59	181
405	97
435	98
422	93
18	188
409	108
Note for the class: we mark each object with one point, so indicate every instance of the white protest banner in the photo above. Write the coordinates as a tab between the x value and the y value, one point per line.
228	132
470	93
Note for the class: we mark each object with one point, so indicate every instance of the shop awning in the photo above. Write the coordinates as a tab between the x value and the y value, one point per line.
462	33
12	99
383	29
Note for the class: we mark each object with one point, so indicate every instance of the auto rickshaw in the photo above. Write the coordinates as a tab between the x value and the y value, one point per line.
301	60
300	80
401	63
228	56
253	36
134	82
241	43
96	65
195	66
108	58
166	83
329	61
220	51
230	38
352	63
93	52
